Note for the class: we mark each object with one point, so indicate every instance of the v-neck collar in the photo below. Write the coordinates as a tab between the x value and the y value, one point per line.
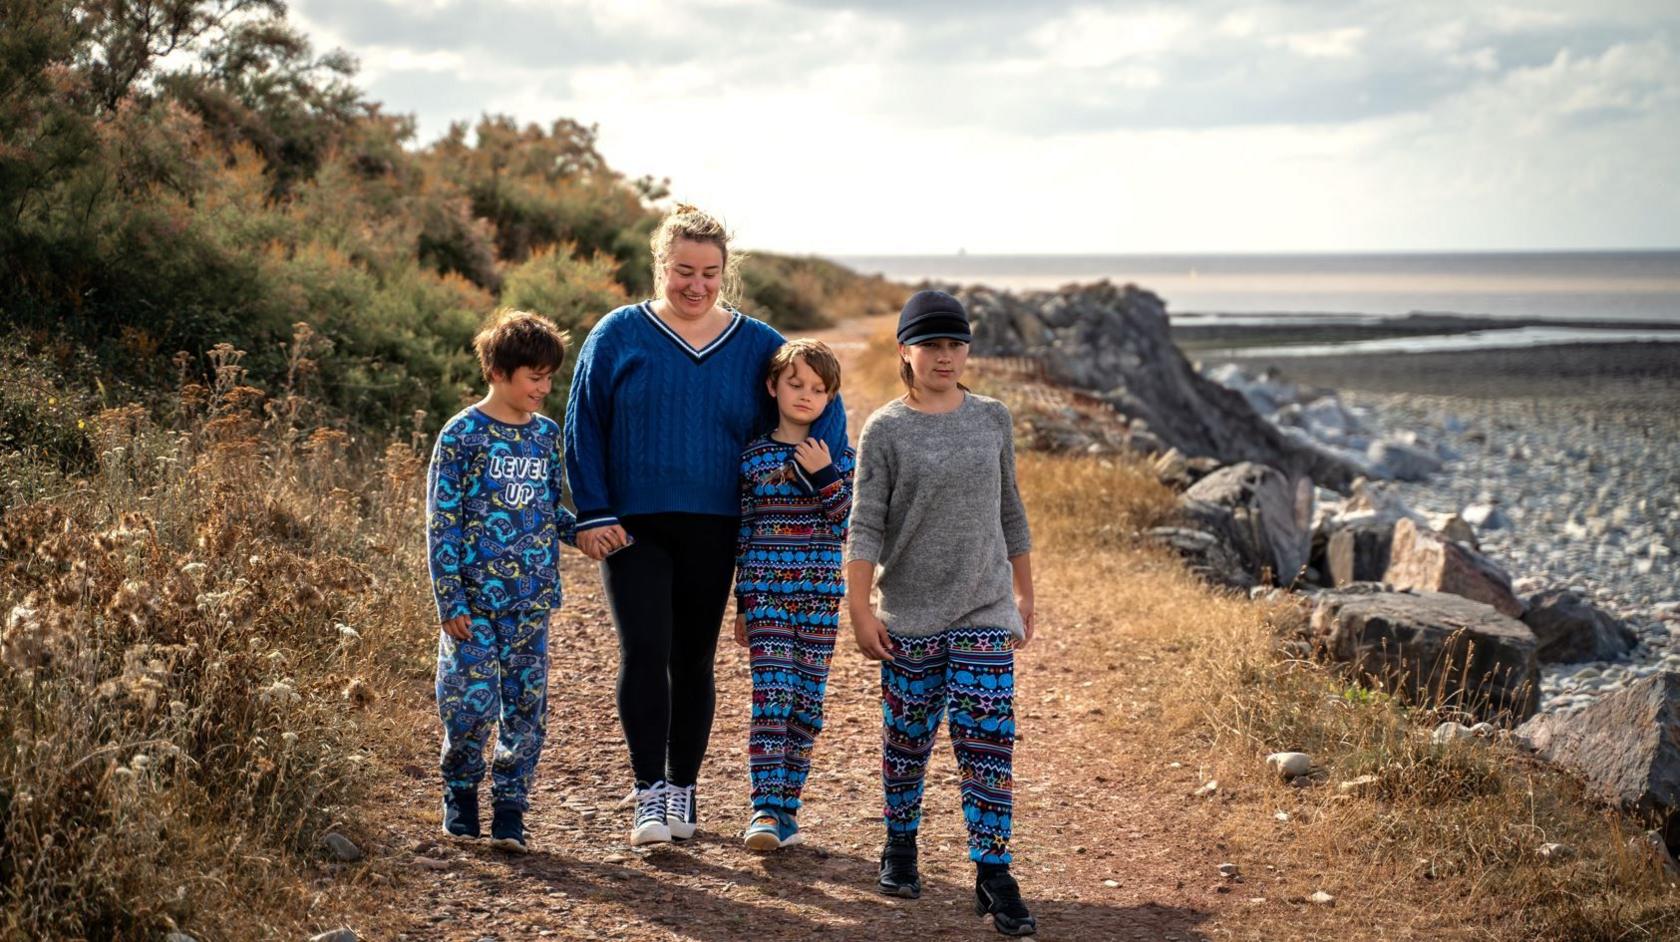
697	355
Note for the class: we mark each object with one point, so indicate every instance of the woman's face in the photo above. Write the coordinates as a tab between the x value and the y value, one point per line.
937	364
693	277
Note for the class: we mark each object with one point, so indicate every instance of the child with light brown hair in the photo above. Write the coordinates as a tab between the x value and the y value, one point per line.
795	501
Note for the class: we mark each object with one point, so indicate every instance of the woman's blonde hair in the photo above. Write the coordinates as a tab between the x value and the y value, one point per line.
689	222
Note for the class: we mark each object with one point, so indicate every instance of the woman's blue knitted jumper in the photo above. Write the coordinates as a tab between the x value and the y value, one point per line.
654	425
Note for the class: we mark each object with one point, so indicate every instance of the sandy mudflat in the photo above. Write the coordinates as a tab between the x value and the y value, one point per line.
1615	378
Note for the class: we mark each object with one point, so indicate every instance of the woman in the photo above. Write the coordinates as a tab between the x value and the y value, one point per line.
665	395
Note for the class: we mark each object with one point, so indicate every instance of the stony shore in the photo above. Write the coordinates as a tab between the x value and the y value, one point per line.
1579	448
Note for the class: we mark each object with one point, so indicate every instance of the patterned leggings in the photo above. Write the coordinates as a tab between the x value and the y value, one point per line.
791	640
970	673
500	672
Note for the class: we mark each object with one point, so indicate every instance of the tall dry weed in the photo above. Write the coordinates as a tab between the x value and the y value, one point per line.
180	627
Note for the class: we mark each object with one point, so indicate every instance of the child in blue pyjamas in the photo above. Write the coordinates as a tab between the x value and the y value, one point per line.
494	526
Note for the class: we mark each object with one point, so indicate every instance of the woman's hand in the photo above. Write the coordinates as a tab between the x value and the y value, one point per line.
596	543
871	635
741	630
812	455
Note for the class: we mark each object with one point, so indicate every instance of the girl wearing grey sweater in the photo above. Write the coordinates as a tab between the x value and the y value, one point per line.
938	526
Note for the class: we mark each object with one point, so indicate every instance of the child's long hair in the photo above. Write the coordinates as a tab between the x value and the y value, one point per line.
693	224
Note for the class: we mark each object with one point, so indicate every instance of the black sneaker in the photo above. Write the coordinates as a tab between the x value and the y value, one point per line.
998	895
460	812
899	876
507	828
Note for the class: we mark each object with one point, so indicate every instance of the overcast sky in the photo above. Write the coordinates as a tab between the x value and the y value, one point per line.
884	127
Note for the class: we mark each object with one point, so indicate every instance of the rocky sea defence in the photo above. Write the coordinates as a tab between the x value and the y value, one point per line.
1581	509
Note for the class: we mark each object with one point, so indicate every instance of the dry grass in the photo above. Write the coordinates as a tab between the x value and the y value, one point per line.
179	702
190	629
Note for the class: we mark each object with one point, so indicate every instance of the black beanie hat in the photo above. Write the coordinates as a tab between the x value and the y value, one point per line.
933	315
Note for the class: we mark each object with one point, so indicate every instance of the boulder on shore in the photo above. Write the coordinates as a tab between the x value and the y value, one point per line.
1115	342
1359	552
1625	745
1433	648
1569	628
1401	461
1422	559
1208	556
1259	514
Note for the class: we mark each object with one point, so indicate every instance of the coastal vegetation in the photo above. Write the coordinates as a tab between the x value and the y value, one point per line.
180	174
238	297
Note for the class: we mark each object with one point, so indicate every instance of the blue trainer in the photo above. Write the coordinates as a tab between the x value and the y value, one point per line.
460	812
507	827
787	830
764	832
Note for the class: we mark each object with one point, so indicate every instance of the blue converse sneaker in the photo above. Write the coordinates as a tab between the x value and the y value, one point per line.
648	826
507	828
681	815
764	831
460	812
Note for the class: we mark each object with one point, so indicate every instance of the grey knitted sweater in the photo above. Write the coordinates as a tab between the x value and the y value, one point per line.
936	508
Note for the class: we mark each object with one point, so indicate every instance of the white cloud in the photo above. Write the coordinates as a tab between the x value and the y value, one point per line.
1340	43
1092	38
1085	129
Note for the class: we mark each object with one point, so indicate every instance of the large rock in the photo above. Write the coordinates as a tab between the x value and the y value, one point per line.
1422	559
1405	462
1115	341
1626	745
1570	628
1433	648
1210	556
1258	513
1359	552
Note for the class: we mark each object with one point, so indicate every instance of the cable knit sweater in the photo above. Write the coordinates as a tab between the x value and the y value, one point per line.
654	425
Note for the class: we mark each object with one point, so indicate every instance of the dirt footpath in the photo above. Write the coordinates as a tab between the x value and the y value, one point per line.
1106	845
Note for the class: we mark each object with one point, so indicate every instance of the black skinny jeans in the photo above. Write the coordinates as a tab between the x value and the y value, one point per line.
668	591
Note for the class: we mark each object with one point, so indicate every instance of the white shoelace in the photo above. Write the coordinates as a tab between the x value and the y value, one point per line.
649	801
679	802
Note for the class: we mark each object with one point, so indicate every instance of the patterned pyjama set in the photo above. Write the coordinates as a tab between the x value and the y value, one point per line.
498	676
967	674
788	587
791	640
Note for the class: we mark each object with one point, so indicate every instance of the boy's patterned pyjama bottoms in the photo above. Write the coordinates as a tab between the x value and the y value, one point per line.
791	640
498	675
968	673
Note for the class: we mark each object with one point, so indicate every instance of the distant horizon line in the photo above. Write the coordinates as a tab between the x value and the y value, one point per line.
1292	253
